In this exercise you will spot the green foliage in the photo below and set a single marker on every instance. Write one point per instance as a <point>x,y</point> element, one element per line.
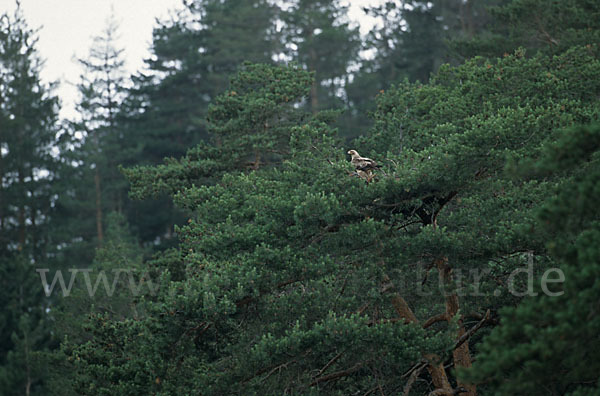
<point>410,42</point>
<point>28,114</point>
<point>164,114</point>
<point>289,271</point>
<point>110,288</point>
<point>292,275</point>
<point>251,122</point>
<point>24,326</point>
<point>270,284</point>
<point>193,58</point>
<point>28,168</point>
<point>318,35</point>
<point>559,333</point>
<point>500,98</point>
<point>250,127</point>
<point>549,26</point>
<point>91,185</point>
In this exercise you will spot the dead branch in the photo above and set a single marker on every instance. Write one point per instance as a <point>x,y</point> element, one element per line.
<point>338,374</point>
<point>427,269</point>
<point>472,330</point>
<point>277,368</point>
<point>416,366</point>
<point>413,377</point>
<point>442,202</point>
<point>333,360</point>
<point>549,39</point>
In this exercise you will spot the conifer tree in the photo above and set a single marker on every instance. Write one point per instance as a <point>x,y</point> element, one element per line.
<point>110,288</point>
<point>551,27</point>
<point>318,35</point>
<point>28,167</point>
<point>411,42</point>
<point>102,90</point>
<point>291,274</point>
<point>193,58</point>
<point>28,134</point>
<point>557,331</point>
<point>294,276</point>
<point>165,112</point>
<point>250,128</point>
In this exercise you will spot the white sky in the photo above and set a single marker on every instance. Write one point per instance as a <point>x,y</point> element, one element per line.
<point>67,28</point>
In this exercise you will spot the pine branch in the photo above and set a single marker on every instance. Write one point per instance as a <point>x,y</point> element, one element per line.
<point>434,319</point>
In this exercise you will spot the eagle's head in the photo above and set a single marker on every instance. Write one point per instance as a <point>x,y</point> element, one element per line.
<point>353,153</point>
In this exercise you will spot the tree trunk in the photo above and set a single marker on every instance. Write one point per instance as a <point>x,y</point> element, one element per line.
<point>1,194</point>
<point>314,100</point>
<point>466,19</point>
<point>470,25</point>
<point>22,212</point>
<point>98,207</point>
<point>26,345</point>
<point>461,355</point>
<point>28,367</point>
<point>438,374</point>
<point>256,163</point>
<point>434,364</point>
<point>33,229</point>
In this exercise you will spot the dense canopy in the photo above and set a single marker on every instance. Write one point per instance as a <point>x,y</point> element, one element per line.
<point>214,237</point>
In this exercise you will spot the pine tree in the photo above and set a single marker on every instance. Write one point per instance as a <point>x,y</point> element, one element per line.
<point>250,127</point>
<point>303,277</point>
<point>193,58</point>
<point>292,275</point>
<point>557,331</point>
<point>410,43</point>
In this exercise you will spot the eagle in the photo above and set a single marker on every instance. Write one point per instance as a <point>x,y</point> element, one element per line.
<point>363,165</point>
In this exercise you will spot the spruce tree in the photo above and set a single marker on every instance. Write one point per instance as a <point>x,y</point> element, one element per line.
<point>192,60</point>
<point>28,167</point>
<point>318,35</point>
<point>110,287</point>
<point>102,146</point>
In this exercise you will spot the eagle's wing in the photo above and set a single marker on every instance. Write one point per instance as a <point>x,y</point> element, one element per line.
<point>365,164</point>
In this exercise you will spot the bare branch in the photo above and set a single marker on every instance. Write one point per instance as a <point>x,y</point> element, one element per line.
<point>413,377</point>
<point>278,368</point>
<point>338,374</point>
<point>472,330</point>
<point>333,360</point>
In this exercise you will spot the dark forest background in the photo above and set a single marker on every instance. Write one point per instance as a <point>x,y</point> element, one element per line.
<point>241,253</point>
